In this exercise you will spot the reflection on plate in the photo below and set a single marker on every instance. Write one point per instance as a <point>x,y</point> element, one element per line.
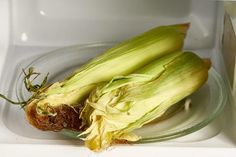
<point>207,102</point>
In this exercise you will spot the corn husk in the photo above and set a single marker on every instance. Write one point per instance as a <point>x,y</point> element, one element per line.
<point>126,103</point>
<point>119,60</point>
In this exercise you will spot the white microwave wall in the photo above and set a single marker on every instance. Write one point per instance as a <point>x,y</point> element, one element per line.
<point>63,22</point>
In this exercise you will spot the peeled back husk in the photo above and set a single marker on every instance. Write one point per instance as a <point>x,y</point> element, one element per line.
<point>127,103</point>
<point>119,60</point>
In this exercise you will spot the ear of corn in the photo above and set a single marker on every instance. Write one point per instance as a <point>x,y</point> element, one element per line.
<point>127,103</point>
<point>119,60</point>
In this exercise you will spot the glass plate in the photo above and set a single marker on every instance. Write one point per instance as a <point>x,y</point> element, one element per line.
<point>207,102</point>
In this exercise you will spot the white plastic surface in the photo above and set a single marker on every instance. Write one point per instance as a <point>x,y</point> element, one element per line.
<point>73,151</point>
<point>39,26</point>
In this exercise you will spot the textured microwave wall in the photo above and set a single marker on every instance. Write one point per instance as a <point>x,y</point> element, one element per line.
<point>230,41</point>
<point>229,49</point>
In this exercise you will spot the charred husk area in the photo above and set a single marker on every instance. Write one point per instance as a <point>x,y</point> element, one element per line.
<point>65,118</point>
